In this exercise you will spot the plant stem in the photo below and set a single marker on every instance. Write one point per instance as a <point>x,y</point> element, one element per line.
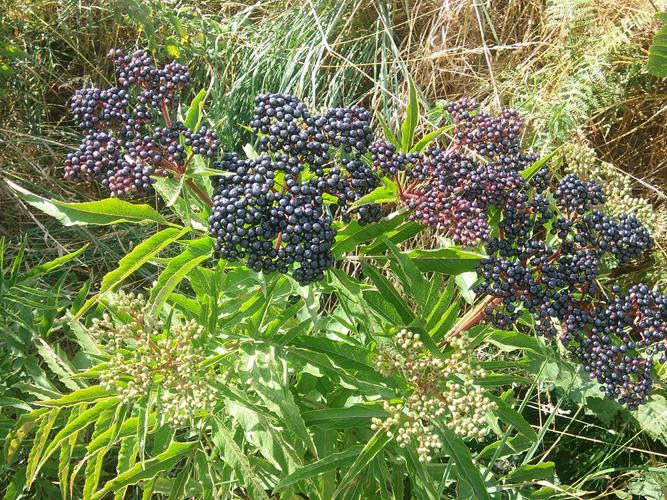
<point>199,192</point>
<point>474,316</point>
<point>165,113</point>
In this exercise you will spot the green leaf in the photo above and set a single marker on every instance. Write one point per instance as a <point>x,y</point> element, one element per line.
<point>411,277</point>
<point>15,489</point>
<point>465,467</point>
<point>54,264</point>
<point>510,416</point>
<point>445,323</point>
<point>652,417</point>
<point>449,261</point>
<point>530,473</point>
<point>193,116</point>
<point>657,53</point>
<point>464,282</point>
<point>66,452</point>
<point>510,341</point>
<point>389,293</point>
<point>411,118</point>
<point>39,443</point>
<point>529,172</point>
<point>224,442</point>
<point>163,462</point>
<point>21,430</point>
<point>381,194</point>
<point>102,212</point>
<point>141,254</point>
<point>83,420</point>
<point>508,447</point>
<point>349,238</point>
<point>85,395</point>
<point>127,455</point>
<point>425,141</point>
<point>265,372</point>
<point>344,418</point>
<point>374,446</point>
<point>388,134</point>
<point>127,430</point>
<point>177,269</point>
<point>326,464</point>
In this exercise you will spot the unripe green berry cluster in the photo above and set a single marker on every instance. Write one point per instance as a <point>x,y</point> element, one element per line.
<point>442,392</point>
<point>145,356</point>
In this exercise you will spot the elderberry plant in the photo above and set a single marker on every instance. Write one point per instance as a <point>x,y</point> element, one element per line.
<point>302,380</point>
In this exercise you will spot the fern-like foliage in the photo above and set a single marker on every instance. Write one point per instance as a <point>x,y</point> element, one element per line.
<point>589,65</point>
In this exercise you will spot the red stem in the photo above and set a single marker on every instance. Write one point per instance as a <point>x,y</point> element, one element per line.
<point>475,315</point>
<point>165,113</point>
<point>279,240</point>
<point>199,192</point>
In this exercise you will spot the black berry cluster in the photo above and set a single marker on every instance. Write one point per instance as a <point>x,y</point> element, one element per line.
<point>254,219</point>
<point>126,146</point>
<point>276,212</point>
<point>349,128</point>
<point>617,344</point>
<point>459,191</point>
<point>547,260</point>
<point>387,160</point>
<point>453,190</point>
<point>486,134</point>
<point>94,108</point>
<point>159,85</point>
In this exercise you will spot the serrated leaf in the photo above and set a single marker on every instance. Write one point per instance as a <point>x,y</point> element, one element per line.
<point>177,269</point>
<point>85,395</point>
<point>389,294</point>
<point>80,422</point>
<point>21,430</point>
<point>344,418</point>
<point>66,452</point>
<point>54,264</point>
<point>163,462</point>
<point>411,277</point>
<point>349,238</point>
<point>224,442</point>
<point>449,261</point>
<point>326,464</point>
<point>510,416</point>
<point>127,455</point>
<point>465,467</point>
<point>374,446</point>
<point>266,374</point>
<point>39,443</point>
<point>102,212</point>
<point>141,254</point>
